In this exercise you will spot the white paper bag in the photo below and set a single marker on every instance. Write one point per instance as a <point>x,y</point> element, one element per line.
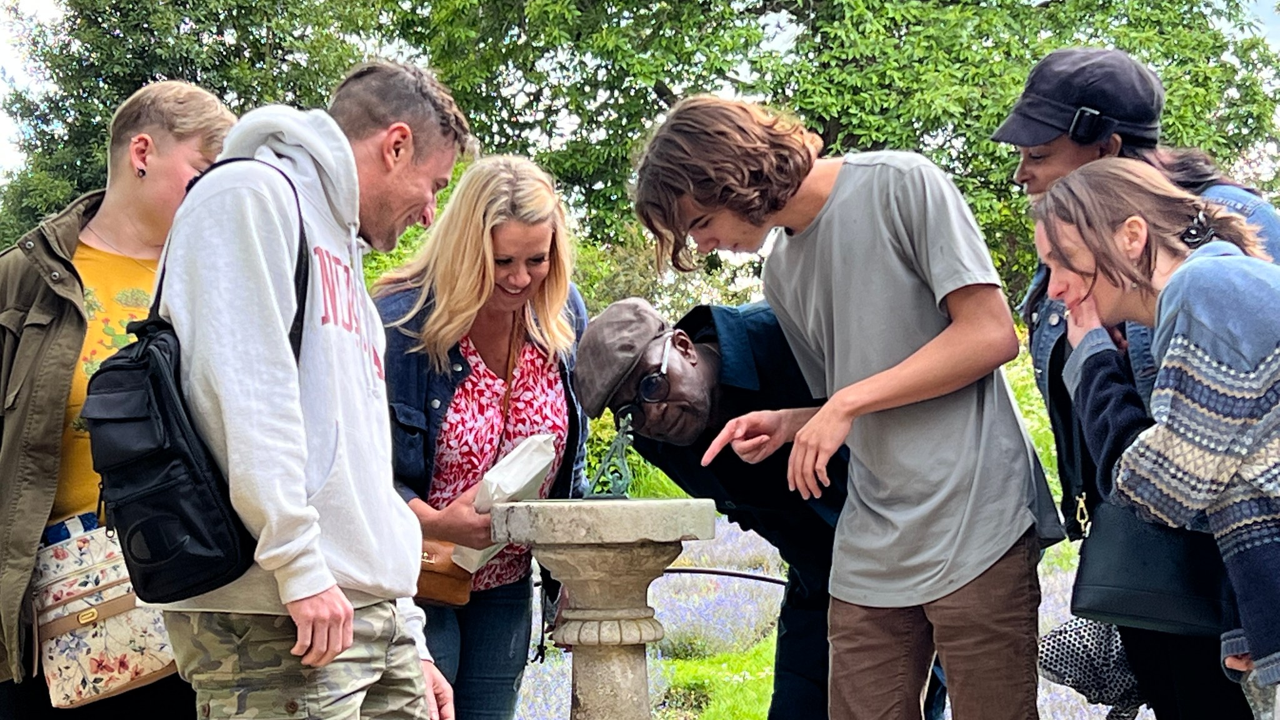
<point>516,477</point>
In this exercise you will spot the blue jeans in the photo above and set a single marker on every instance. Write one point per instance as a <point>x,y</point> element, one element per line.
<point>482,649</point>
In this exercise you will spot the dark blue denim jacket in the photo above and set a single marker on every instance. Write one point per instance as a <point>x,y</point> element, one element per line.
<point>420,397</point>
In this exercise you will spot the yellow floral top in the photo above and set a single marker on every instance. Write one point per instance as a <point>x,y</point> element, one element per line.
<point>117,291</point>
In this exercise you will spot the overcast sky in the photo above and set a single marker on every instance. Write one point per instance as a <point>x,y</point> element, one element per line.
<point>11,63</point>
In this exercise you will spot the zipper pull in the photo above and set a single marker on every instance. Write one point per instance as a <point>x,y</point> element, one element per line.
<point>1082,514</point>
<point>102,512</point>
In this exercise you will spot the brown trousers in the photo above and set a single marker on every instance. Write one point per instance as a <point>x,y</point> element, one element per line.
<point>985,634</point>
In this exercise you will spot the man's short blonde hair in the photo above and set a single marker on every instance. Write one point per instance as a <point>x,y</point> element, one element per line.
<point>376,94</point>
<point>180,109</point>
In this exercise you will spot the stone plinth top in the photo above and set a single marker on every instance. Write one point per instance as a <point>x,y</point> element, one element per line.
<point>603,522</point>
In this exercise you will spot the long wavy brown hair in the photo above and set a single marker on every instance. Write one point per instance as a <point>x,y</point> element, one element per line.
<point>1097,198</point>
<point>721,154</point>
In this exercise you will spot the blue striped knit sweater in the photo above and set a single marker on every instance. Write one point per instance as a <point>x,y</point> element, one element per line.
<point>1214,451</point>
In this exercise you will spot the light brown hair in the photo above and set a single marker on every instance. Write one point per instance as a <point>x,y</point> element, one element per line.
<point>1099,197</point>
<point>375,95</point>
<point>177,108</point>
<point>721,154</point>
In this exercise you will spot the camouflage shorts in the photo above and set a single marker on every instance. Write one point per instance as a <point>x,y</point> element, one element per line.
<point>240,667</point>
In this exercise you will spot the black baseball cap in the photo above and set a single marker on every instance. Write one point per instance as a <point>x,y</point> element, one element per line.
<point>1087,94</point>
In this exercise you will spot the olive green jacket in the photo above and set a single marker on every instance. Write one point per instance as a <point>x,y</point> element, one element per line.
<point>42,330</point>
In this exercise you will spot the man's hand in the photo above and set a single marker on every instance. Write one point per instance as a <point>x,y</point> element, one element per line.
<point>755,436</point>
<point>439,694</point>
<point>325,626</point>
<point>816,442</point>
<point>459,523</point>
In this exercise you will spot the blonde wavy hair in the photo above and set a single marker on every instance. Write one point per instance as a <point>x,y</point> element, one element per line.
<point>454,272</point>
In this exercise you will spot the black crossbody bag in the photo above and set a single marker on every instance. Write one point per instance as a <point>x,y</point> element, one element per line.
<point>163,494</point>
<point>1138,574</point>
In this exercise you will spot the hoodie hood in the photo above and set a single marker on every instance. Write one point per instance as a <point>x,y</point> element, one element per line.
<point>311,148</point>
<point>314,148</point>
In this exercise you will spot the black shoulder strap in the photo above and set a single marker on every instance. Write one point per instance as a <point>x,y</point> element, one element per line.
<point>301,270</point>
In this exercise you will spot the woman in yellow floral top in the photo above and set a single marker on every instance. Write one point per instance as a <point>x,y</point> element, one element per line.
<point>68,289</point>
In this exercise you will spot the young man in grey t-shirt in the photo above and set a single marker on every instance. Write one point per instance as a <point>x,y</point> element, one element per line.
<point>887,295</point>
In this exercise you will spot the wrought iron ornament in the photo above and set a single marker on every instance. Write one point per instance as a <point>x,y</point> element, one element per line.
<point>613,477</point>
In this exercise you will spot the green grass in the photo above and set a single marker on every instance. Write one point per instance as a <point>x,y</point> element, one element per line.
<point>1022,379</point>
<point>734,686</point>
<point>1064,555</point>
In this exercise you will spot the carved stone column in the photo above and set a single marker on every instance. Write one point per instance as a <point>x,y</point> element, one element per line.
<point>606,552</point>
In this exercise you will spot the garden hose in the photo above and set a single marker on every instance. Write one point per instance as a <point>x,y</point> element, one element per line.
<point>726,573</point>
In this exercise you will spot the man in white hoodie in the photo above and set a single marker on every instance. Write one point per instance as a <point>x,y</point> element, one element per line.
<point>314,628</point>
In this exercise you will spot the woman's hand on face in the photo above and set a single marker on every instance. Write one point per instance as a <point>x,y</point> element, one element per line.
<point>459,523</point>
<point>1081,319</point>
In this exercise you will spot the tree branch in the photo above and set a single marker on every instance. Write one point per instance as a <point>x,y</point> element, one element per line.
<point>665,93</point>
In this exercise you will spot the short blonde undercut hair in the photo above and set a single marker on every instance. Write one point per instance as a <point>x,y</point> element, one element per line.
<point>179,109</point>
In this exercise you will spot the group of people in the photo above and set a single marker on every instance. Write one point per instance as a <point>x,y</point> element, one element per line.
<point>858,419</point>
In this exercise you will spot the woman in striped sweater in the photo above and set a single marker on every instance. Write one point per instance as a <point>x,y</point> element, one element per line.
<point>1122,243</point>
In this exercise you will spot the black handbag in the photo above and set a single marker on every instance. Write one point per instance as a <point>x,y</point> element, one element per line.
<point>164,496</point>
<point>1138,574</point>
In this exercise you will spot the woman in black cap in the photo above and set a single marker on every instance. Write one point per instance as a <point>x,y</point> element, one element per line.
<point>1080,105</point>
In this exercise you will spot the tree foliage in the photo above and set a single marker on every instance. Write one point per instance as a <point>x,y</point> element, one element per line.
<point>100,51</point>
<point>579,82</point>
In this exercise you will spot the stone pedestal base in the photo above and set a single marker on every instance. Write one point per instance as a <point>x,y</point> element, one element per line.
<point>606,552</point>
<point>610,682</point>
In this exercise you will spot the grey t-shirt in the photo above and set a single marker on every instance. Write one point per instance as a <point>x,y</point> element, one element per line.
<point>938,490</point>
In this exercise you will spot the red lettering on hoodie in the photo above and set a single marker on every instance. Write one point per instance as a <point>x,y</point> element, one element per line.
<point>326,286</point>
<point>340,298</point>
<point>348,317</point>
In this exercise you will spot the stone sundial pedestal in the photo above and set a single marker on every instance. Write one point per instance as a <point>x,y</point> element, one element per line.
<point>606,552</point>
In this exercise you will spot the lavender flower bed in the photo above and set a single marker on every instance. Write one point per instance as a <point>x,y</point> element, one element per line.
<point>708,614</point>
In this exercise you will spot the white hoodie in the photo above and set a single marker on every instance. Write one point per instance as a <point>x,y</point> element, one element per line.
<point>306,448</point>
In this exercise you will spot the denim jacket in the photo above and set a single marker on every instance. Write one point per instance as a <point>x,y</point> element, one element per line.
<point>1047,321</point>
<point>420,397</point>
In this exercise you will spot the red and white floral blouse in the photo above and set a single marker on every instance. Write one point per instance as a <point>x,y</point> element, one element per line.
<point>474,436</point>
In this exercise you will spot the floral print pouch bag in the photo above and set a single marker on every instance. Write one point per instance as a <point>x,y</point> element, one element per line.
<point>94,640</point>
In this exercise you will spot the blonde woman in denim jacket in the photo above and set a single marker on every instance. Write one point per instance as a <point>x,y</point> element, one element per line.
<point>482,332</point>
